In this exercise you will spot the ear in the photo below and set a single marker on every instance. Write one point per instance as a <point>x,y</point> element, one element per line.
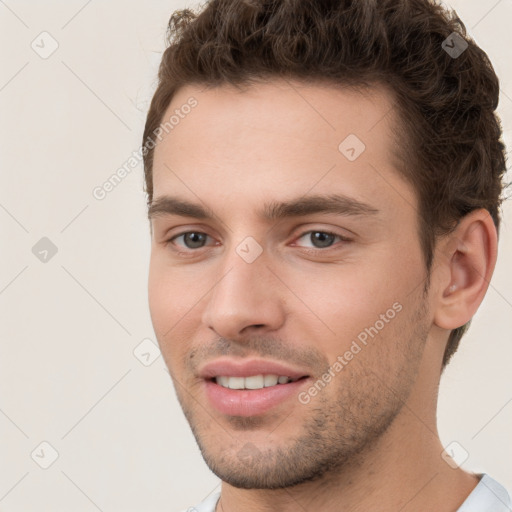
<point>470,257</point>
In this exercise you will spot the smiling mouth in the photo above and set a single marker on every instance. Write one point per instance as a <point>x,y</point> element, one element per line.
<point>253,381</point>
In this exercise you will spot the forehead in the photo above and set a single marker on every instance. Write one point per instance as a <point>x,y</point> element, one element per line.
<point>280,138</point>
<point>321,113</point>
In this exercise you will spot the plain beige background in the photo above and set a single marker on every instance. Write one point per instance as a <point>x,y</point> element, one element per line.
<point>73,372</point>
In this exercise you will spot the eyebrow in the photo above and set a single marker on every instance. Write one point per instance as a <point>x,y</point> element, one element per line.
<point>274,210</point>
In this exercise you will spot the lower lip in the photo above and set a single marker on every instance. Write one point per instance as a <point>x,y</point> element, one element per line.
<point>250,402</point>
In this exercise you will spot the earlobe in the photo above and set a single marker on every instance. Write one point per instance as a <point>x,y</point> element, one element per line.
<point>468,269</point>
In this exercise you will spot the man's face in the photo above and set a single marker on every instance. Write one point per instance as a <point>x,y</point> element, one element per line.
<point>304,290</point>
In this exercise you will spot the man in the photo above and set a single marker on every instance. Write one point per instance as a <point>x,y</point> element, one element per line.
<point>324,181</point>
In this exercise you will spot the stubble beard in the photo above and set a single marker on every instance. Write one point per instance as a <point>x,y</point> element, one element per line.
<point>340,428</point>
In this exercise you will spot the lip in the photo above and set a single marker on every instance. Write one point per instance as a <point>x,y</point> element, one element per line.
<point>232,368</point>
<point>249,402</point>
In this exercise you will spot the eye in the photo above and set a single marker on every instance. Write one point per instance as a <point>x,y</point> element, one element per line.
<point>318,239</point>
<point>191,239</point>
<point>321,239</point>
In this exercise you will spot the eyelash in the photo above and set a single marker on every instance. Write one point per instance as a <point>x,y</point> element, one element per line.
<point>305,249</point>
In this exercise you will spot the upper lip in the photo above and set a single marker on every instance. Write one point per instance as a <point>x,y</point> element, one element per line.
<point>231,368</point>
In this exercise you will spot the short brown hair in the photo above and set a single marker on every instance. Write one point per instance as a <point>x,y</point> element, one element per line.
<point>450,135</point>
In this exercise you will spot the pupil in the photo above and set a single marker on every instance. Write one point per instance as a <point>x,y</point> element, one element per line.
<point>324,239</point>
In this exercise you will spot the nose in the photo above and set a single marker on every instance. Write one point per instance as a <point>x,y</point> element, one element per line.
<point>246,297</point>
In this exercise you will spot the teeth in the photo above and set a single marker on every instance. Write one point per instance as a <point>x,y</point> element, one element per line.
<point>236,382</point>
<point>223,381</point>
<point>252,382</point>
<point>270,380</point>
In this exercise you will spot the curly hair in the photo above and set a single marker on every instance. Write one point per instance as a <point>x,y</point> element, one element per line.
<point>449,135</point>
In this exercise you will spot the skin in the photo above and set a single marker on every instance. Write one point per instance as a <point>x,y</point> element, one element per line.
<point>368,440</point>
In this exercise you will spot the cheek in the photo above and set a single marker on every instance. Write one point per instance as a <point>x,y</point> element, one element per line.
<point>347,295</point>
<point>158,296</point>
<point>168,303</point>
<point>174,297</point>
<point>343,303</point>
<point>169,293</point>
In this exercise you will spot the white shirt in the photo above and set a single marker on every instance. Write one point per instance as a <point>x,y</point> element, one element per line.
<point>487,496</point>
